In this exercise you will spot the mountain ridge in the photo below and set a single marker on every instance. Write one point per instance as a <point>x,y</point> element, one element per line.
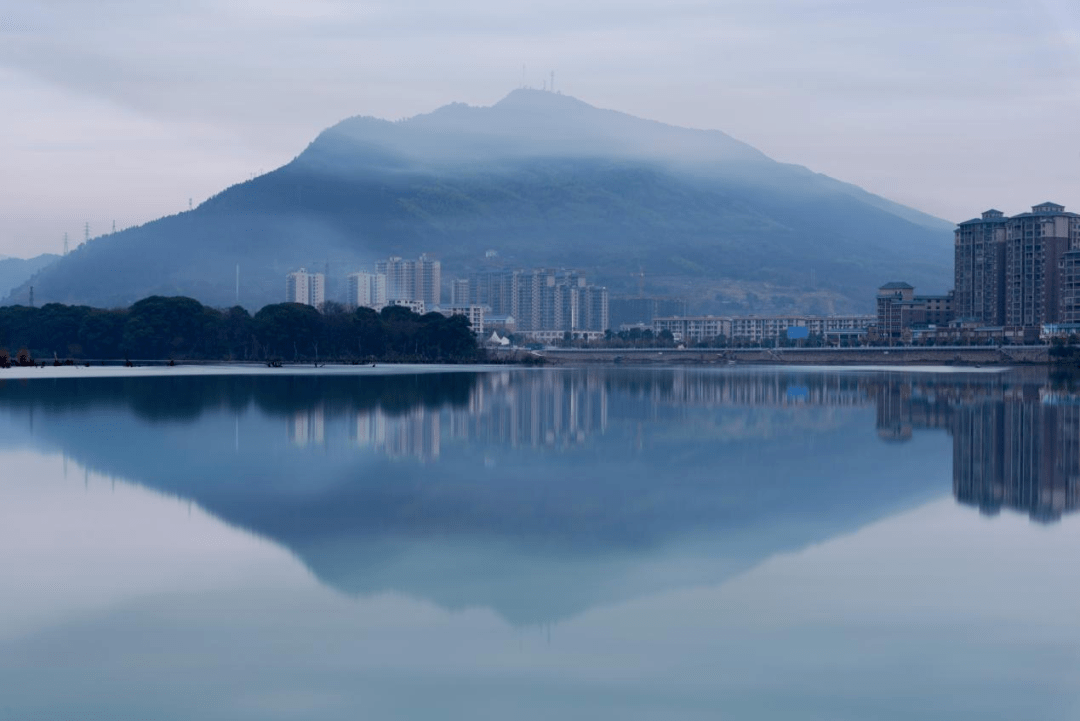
<point>542,179</point>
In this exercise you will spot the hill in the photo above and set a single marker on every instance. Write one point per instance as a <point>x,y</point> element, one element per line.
<point>542,179</point>
<point>15,272</point>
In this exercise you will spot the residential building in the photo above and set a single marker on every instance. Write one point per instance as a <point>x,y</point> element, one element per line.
<point>306,288</point>
<point>419,279</point>
<point>979,270</point>
<point>416,306</point>
<point>686,329</point>
<point>1069,288</point>
<point>367,290</point>
<point>1035,245</point>
<point>541,299</point>
<point>899,310</point>
<point>475,314</point>
<point>758,329</point>
<point>459,292</point>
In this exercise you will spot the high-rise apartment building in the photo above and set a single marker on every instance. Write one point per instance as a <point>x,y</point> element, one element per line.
<point>979,269</point>
<point>406,279</point>
<point>541,299</point>
<point>306,288</point>
<point>367,290</point>
<point>459,292</point>
<point>1035,244</point>
<point>1021,271</point>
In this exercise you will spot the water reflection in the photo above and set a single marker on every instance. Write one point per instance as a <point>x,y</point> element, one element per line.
<point>539,544</point>
<point>1016,440</point>
<point>544,493</point>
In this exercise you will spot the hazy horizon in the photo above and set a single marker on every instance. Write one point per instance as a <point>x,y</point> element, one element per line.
<point>126,111</point>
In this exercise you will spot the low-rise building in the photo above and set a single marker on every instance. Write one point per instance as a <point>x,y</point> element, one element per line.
<point>475,314</point>
<point>758,329</point>
<point>899,310</point>
<point>686,329</point>
<point>416,306</point>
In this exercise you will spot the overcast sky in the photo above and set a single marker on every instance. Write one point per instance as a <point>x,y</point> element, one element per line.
<point>123,110</point>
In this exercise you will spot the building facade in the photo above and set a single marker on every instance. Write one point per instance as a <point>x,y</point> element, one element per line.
<point>475,314</point>
<point>899,310</point>
<point>1035,246</point>
<point>367,290</point>
<point>306,288</point>
<point>757,329</point>
<point>979,269</point>
<point>541,299</point>
<point>407,279</point>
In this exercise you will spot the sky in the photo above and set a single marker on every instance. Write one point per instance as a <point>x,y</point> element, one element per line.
<point>123,111</point>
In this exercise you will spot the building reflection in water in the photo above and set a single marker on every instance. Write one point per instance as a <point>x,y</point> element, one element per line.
<point>1016,445</point>
<point>1016,442</point>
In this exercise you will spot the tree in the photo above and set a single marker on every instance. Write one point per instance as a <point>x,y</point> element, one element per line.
<point>288,330</point>
<point>369,333</point>
<point>101,333</point>
<point>160,327</point>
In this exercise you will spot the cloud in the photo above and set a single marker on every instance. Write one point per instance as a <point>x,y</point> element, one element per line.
<point>830,83</point>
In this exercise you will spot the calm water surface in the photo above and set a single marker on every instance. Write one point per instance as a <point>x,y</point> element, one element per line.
<point>576,544</point>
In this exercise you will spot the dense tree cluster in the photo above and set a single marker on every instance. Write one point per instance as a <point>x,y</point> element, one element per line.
<point>159,328</point>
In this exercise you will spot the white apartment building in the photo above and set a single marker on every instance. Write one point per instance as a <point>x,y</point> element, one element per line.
<point>367,290</point>
<point>306,288</point>
<point>693,328</point>
<point>416,306</point>
<point>475,314</point>
<point>408,279</point>
<point>756,329</point>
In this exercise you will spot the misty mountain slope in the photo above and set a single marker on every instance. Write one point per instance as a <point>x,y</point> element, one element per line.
<point>541,178</point>
<point>17,271</point>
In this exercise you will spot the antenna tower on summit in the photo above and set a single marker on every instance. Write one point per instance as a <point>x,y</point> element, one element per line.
<point>65,244</point>
<point>86,232</point>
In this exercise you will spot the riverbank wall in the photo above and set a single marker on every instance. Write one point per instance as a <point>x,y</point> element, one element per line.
<point>942,355</point>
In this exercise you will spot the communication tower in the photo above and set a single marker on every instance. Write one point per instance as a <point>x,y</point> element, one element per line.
<point>65,243</point>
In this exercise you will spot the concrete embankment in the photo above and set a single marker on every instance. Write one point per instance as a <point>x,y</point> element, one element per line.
<point>944,355</point>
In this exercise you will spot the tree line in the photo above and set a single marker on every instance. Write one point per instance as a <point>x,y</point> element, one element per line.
<point>179,328</point>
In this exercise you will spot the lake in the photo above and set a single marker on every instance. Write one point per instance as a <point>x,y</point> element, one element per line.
<point>594,543</point>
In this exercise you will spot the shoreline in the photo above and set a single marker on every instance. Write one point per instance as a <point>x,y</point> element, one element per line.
<point>894,356</point>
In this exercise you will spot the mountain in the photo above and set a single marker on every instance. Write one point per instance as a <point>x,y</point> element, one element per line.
<point>15,272</point>
<point>543,179</point>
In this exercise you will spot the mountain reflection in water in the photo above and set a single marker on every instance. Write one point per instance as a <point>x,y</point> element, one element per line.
<point>544,493</point>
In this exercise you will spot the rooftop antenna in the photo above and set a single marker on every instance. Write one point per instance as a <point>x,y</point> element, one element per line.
<point>65,243</point>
